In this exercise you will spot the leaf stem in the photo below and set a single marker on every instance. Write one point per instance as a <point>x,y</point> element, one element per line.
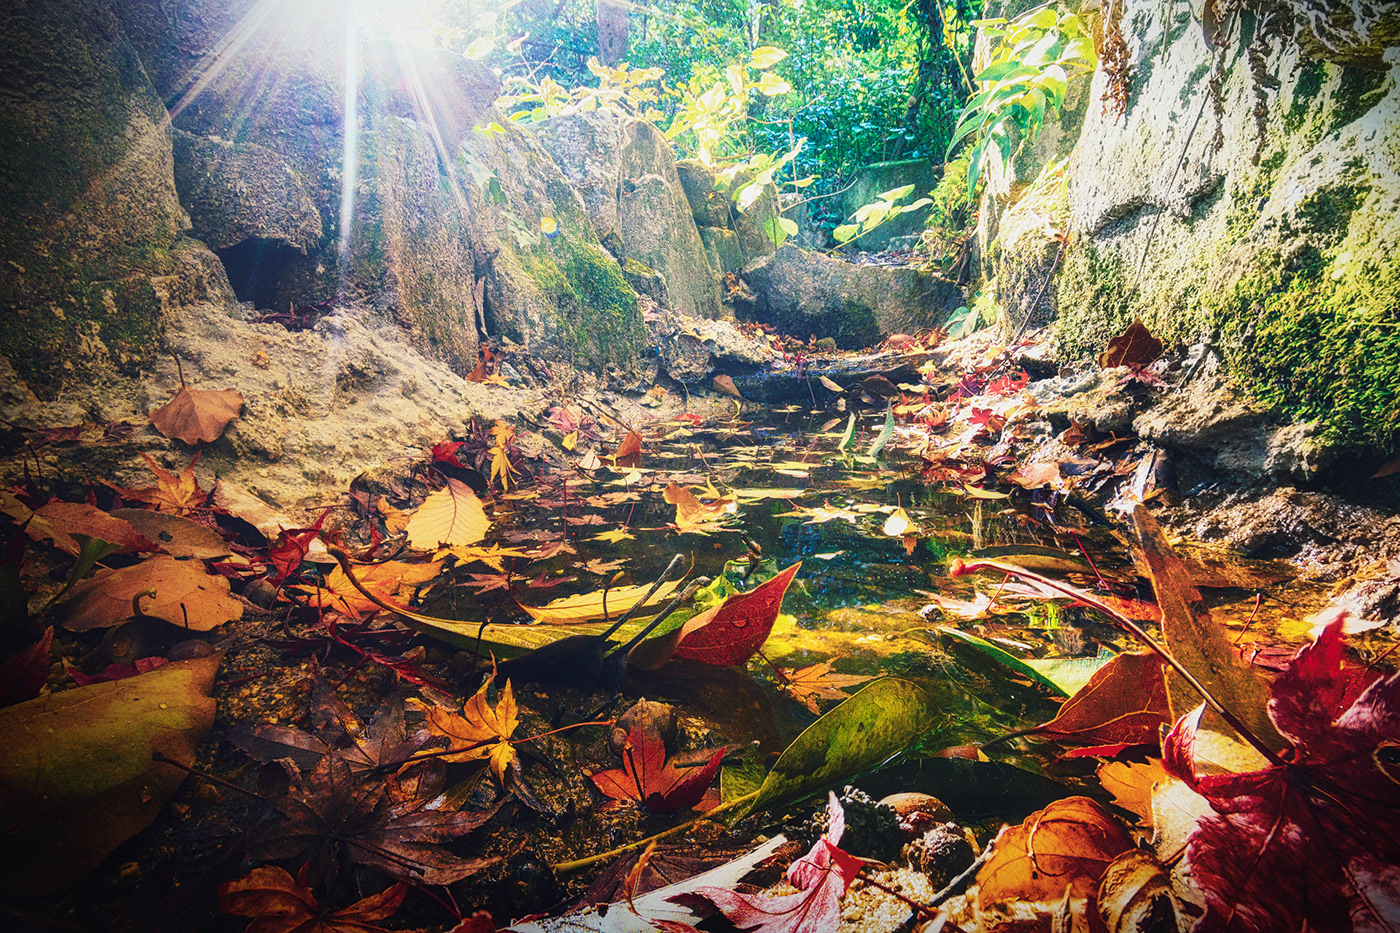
<point>565,867</point>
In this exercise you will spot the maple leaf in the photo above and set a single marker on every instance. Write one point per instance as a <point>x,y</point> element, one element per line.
<point>1009,384</point>
<point>290,549</point>
<point>501,468</point>
<point>329,816</point>
<point>486,582</point>
<point>616,536</point>
<point>1311,842</point>
<point>1135,348</point>
<point>691,513</point>
<point>388,580</point>
<point>563,419</point>
<point>822,877</point>
<point>629,452</point>
<point>196,415</point>
<point>493,556</point>
<point>816,682</point>
<point>280,903</point>
<point>649,780</point>
<point>1124,702</point>
<point>480,730</point>
<point>446,452</point>
<point>452,516</point>
<point>180,495</point>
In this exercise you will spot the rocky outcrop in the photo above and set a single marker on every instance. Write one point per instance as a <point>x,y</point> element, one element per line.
<point>1248,192</point>
<point>626,173</point>
<point>876,179</point>
<point>808,294</point>
<point>732,238</point>
<point>91,215</point>
<point>694,349</point>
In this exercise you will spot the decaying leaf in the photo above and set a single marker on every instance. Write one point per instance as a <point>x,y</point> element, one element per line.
<point>1135,348</point>
<point>279,903</point>
<point>647,779</point>
<point>1067,845</point>
<point>452,516</point>
<point>629,452</point>
<point>176,535</point>
<point>59,521</point>
<point>178,494</point>
<point>196,415</point>
<point>817,682</point>
<point>726,385</point>
<point>185,595</point>
<point>1124,702</point>
<point>480,731</point>
<point>1136,895</point>
<point>77,777</point>
<point>390,580</point>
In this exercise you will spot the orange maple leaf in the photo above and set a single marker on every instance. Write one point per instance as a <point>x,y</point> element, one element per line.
<point>278,902</point>
<point>392,580</point>
<point>480,730</point>
<point>180,495</point>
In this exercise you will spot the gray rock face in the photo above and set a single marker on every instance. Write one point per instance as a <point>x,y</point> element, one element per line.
<point>807,294</point>
<point>91,213</point>
<point>693,349</point>
<point>236,192</point>
<point>626,173</point>
<point>885,176</point>
<point>732,238</point>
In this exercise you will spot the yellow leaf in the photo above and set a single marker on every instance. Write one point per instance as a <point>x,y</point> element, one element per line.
<point>897,523</point>
<point>588,606</point>
<point>395,520</point>
<point>616,536</point>
<point>390,580</point>
<point>185,595</point>
<point>570,440</point>
<point>501,467</point>
<point>493,557</point>
<point>452,516</point>
<point>495,379</point>
<point>479,731</point>
<point>503,433</point>
<point>691,513</point>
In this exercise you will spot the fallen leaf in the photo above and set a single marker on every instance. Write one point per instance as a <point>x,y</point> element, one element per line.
<point>628,453</point>
<point>1133,785</point>
<point>1136,894</point>
<point>59,521</point>
<point>1312,840</point>
<point>726,385</point>
<point>1196,641</point>
<point>615,536</point>
<point>822,877</point>
<point>24,675</point>
<point>452,516</point>
<point>1067,845</point>
<point>1135,348</point>
<point>480,730</point>
<point>691,513</point>
<point>390,580</point>
<point>733,631</point>
<point>77,778</point>
<point>279,903</point>
<point>177,536</point>
<point>649,780</point>
<point>180,495</point>
<point>586,607</point>
<point>185,596</point>
<point>817,682</point>
<point>897,524</point>
<point>1125,701</point>
<point>196,415</point>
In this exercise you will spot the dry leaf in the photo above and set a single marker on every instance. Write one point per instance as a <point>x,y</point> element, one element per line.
<point>1135,348</point>
<point>280,903</point>
<point>180,495</point>
<point>726,385</point>
<point>629,452</point>
<point>452,516</point>
<point>185,595</point>
<point>196,415</point>
<point>1133,785</point>
<point>691,513</point>
<point>816,682</point>
<point>59,521</point>
<point>1065,846</point>
<point>587,607</point>
<point>480,730</point>
<point>391,580</point>
<point>178,536</point>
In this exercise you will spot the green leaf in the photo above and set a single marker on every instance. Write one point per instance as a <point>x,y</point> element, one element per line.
<point>766,56</point>
<point>1054,80</point>
<point>885,434</point>
<point>778,229</point>
<point>845,232</point>
<point>848,438</point>
<point>480,48</point>
<point>894,194</point>
<point>974,168</point>
<point>1043,18</point>
<point>996,71</point>
<point>875,724</point>
<point>770,85</point>
<point>1003,657</point>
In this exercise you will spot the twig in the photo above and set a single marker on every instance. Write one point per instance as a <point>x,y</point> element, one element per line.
<point>565,867</point>
<point>958,884</point>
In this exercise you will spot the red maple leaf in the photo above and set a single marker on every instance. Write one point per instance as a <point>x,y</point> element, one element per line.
<point>446,452</point>
<point>821,877</point>
<point>1008,384</point>
<point>739,627</point>
<point>1313,841</point>
<point>290,548</point>
<point>649,780</point>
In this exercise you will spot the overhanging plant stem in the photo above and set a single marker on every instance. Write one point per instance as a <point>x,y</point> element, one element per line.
<point>961,568</point>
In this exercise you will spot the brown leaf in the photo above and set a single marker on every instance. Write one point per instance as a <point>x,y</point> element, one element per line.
<point>726,385</point>
<point>691,513</point>
<point>196,415</point>
<point>185,595</point>
<point>391,580</point>
<point>279,903</point>
<point>77,777</point>
<point>176,535</point>
<point>1065,846</point>
<point>1136,894</point>
<point>1125,701</point>
<point>816,682</point>
<point>1194,639</point>
<point>59,521</point>
<point>180,495</point>
<point>629,452</point>
<point>480,731</point>
<point>1135,348</point>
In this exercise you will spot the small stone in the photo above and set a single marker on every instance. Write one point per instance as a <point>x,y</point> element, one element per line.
<point>943,853</point>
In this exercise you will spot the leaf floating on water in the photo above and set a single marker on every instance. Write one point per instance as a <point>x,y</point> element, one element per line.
<point>197,415</point>
<point>817,682</point>
<point>278,902</point>
<point>586,607</point>
<point>480,730</point>
<point>732,632</point>
<point>691,513</point>
<point>647,779</point>
<point>77,778</point>
<point>451,517</point>
<point>897,524</point>
<point>629,452</point>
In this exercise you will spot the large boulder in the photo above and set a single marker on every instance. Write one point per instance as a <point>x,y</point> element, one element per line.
<point>626,173</point>
<point>732,238</point>
<point>1251,193</point>
<point>808,294</point>
<point>91,220</point>
<point>876,179</point>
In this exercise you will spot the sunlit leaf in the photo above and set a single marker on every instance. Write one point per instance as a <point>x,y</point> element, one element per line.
<point>586,607</point>
<point>197,415</point>
<point>452,516</point>
<point>480,731</point>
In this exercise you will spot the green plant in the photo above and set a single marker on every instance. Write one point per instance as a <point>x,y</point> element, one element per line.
<point>883,208</point>
<point>712,122</point>
<point>1027,77</point>
<point>620,90</point>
